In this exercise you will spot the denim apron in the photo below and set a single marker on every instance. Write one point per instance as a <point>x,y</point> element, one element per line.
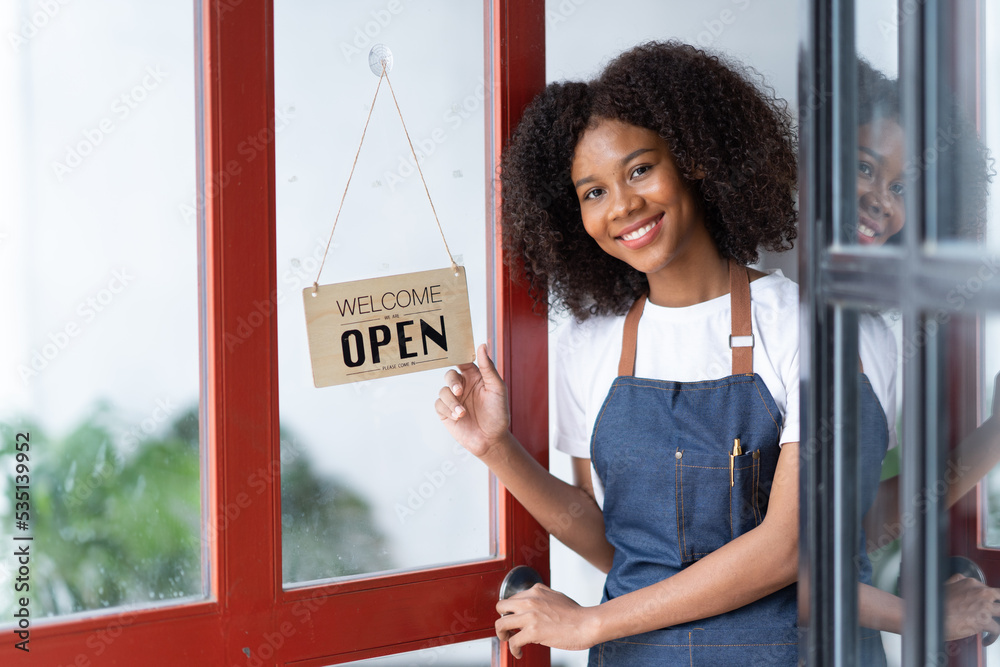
<point>678,486</point>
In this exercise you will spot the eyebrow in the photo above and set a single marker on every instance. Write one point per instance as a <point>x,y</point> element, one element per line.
<point>624,161</point>
<point>878,157</point>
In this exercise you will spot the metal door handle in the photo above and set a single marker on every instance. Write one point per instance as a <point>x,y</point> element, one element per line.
<point>521,578</point>
<point>968,568</point>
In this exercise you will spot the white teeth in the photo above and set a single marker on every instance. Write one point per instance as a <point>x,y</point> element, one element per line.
<point>639,233</point>
<point>866,231</point>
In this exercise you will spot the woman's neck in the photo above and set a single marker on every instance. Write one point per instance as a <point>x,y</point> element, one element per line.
<point>691,280</point>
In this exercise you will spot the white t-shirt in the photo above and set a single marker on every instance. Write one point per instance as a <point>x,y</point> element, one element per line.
<point>691,344</point>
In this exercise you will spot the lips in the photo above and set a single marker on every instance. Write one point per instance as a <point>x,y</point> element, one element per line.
<point>641,233</point>
<point>868,230</point>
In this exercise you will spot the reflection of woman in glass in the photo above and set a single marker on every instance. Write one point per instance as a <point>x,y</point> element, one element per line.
<point>884,170</point>
<point>882,177</point>
<point>648,193</point>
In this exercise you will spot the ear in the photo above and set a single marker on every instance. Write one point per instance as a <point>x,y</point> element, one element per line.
<point>698,174</point>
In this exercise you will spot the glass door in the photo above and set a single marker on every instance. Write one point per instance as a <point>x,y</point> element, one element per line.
<point>260,537</point>
<point>901,236</point>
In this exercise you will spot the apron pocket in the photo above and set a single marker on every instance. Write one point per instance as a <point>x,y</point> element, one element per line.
<point>703,500</point>
<point>714,508</point>
<point>753,473</point>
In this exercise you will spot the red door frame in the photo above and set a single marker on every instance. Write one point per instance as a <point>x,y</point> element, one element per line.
<point>965,382</point>
<point>249,619</point>
<point>964,364</point>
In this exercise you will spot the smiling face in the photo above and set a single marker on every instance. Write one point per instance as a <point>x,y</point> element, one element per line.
<point>634,201</point>
<point>881,184</point>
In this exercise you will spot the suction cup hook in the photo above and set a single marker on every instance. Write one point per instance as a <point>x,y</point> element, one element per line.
<point>380,54</point>
<point>521,578</point>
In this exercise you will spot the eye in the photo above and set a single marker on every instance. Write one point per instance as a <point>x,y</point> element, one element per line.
<point>593,193</point>
<point>865,169</point>
<point>640,170</point>
<point>897,189</point>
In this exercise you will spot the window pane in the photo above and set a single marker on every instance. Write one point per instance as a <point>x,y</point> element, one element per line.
<point>991,408</point>
<point>966,140</point>
<point>880,172</point>
<point>990,117</point>
<point>100,264</point>
<point>877,381</point>
<point>371,481</point>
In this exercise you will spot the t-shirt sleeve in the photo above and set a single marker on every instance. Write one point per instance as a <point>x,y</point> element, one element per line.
<point>879,358</point>
<point>572,436</point>
<point>790,379</point>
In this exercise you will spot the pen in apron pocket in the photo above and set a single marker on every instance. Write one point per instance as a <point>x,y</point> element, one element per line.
<point>737,450</point>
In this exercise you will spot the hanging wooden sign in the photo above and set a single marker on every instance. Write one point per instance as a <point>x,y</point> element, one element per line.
<point>388,326</point>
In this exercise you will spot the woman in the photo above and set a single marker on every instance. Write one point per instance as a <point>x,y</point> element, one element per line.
<point>884,172</point>
<point>884,169</point>
<point>648,193</point>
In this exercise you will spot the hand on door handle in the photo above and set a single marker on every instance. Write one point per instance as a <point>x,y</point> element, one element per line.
<point>970,602</point>
<point>521,578</point>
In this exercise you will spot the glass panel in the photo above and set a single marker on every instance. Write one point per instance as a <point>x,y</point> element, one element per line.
<point>881,161</point>
<point>969,449</point>
<point>881,349</point>
<point>469,654</point>
<point>892,514</point>
<point>100,342</point>
<point>371,481</point>
<point>990,116</point>
<point>966,140</point>
<point>991,408</point>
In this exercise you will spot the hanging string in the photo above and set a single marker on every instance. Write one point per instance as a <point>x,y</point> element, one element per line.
<point>454,267</point>
<point>385,75</point>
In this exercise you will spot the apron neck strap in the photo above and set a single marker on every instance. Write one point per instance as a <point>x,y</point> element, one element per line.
<point>741,339</point>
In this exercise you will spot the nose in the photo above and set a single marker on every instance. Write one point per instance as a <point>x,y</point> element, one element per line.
<point>626,201</point>
<point>877,202</point>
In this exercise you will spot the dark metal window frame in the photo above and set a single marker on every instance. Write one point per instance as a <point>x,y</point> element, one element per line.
<point>836,279</point>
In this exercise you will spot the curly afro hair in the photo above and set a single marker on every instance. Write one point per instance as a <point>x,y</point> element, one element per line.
<point>731,139</point>
<point>958,151</point>
<point>878,95</point>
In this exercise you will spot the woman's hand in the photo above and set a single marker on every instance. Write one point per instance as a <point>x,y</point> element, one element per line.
<point>969,608</point>
<point>473,404</point>
<point>540,615</point>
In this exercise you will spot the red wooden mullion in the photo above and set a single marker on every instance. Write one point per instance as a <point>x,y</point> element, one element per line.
<point>519,75</point>
<point>240,39</point>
